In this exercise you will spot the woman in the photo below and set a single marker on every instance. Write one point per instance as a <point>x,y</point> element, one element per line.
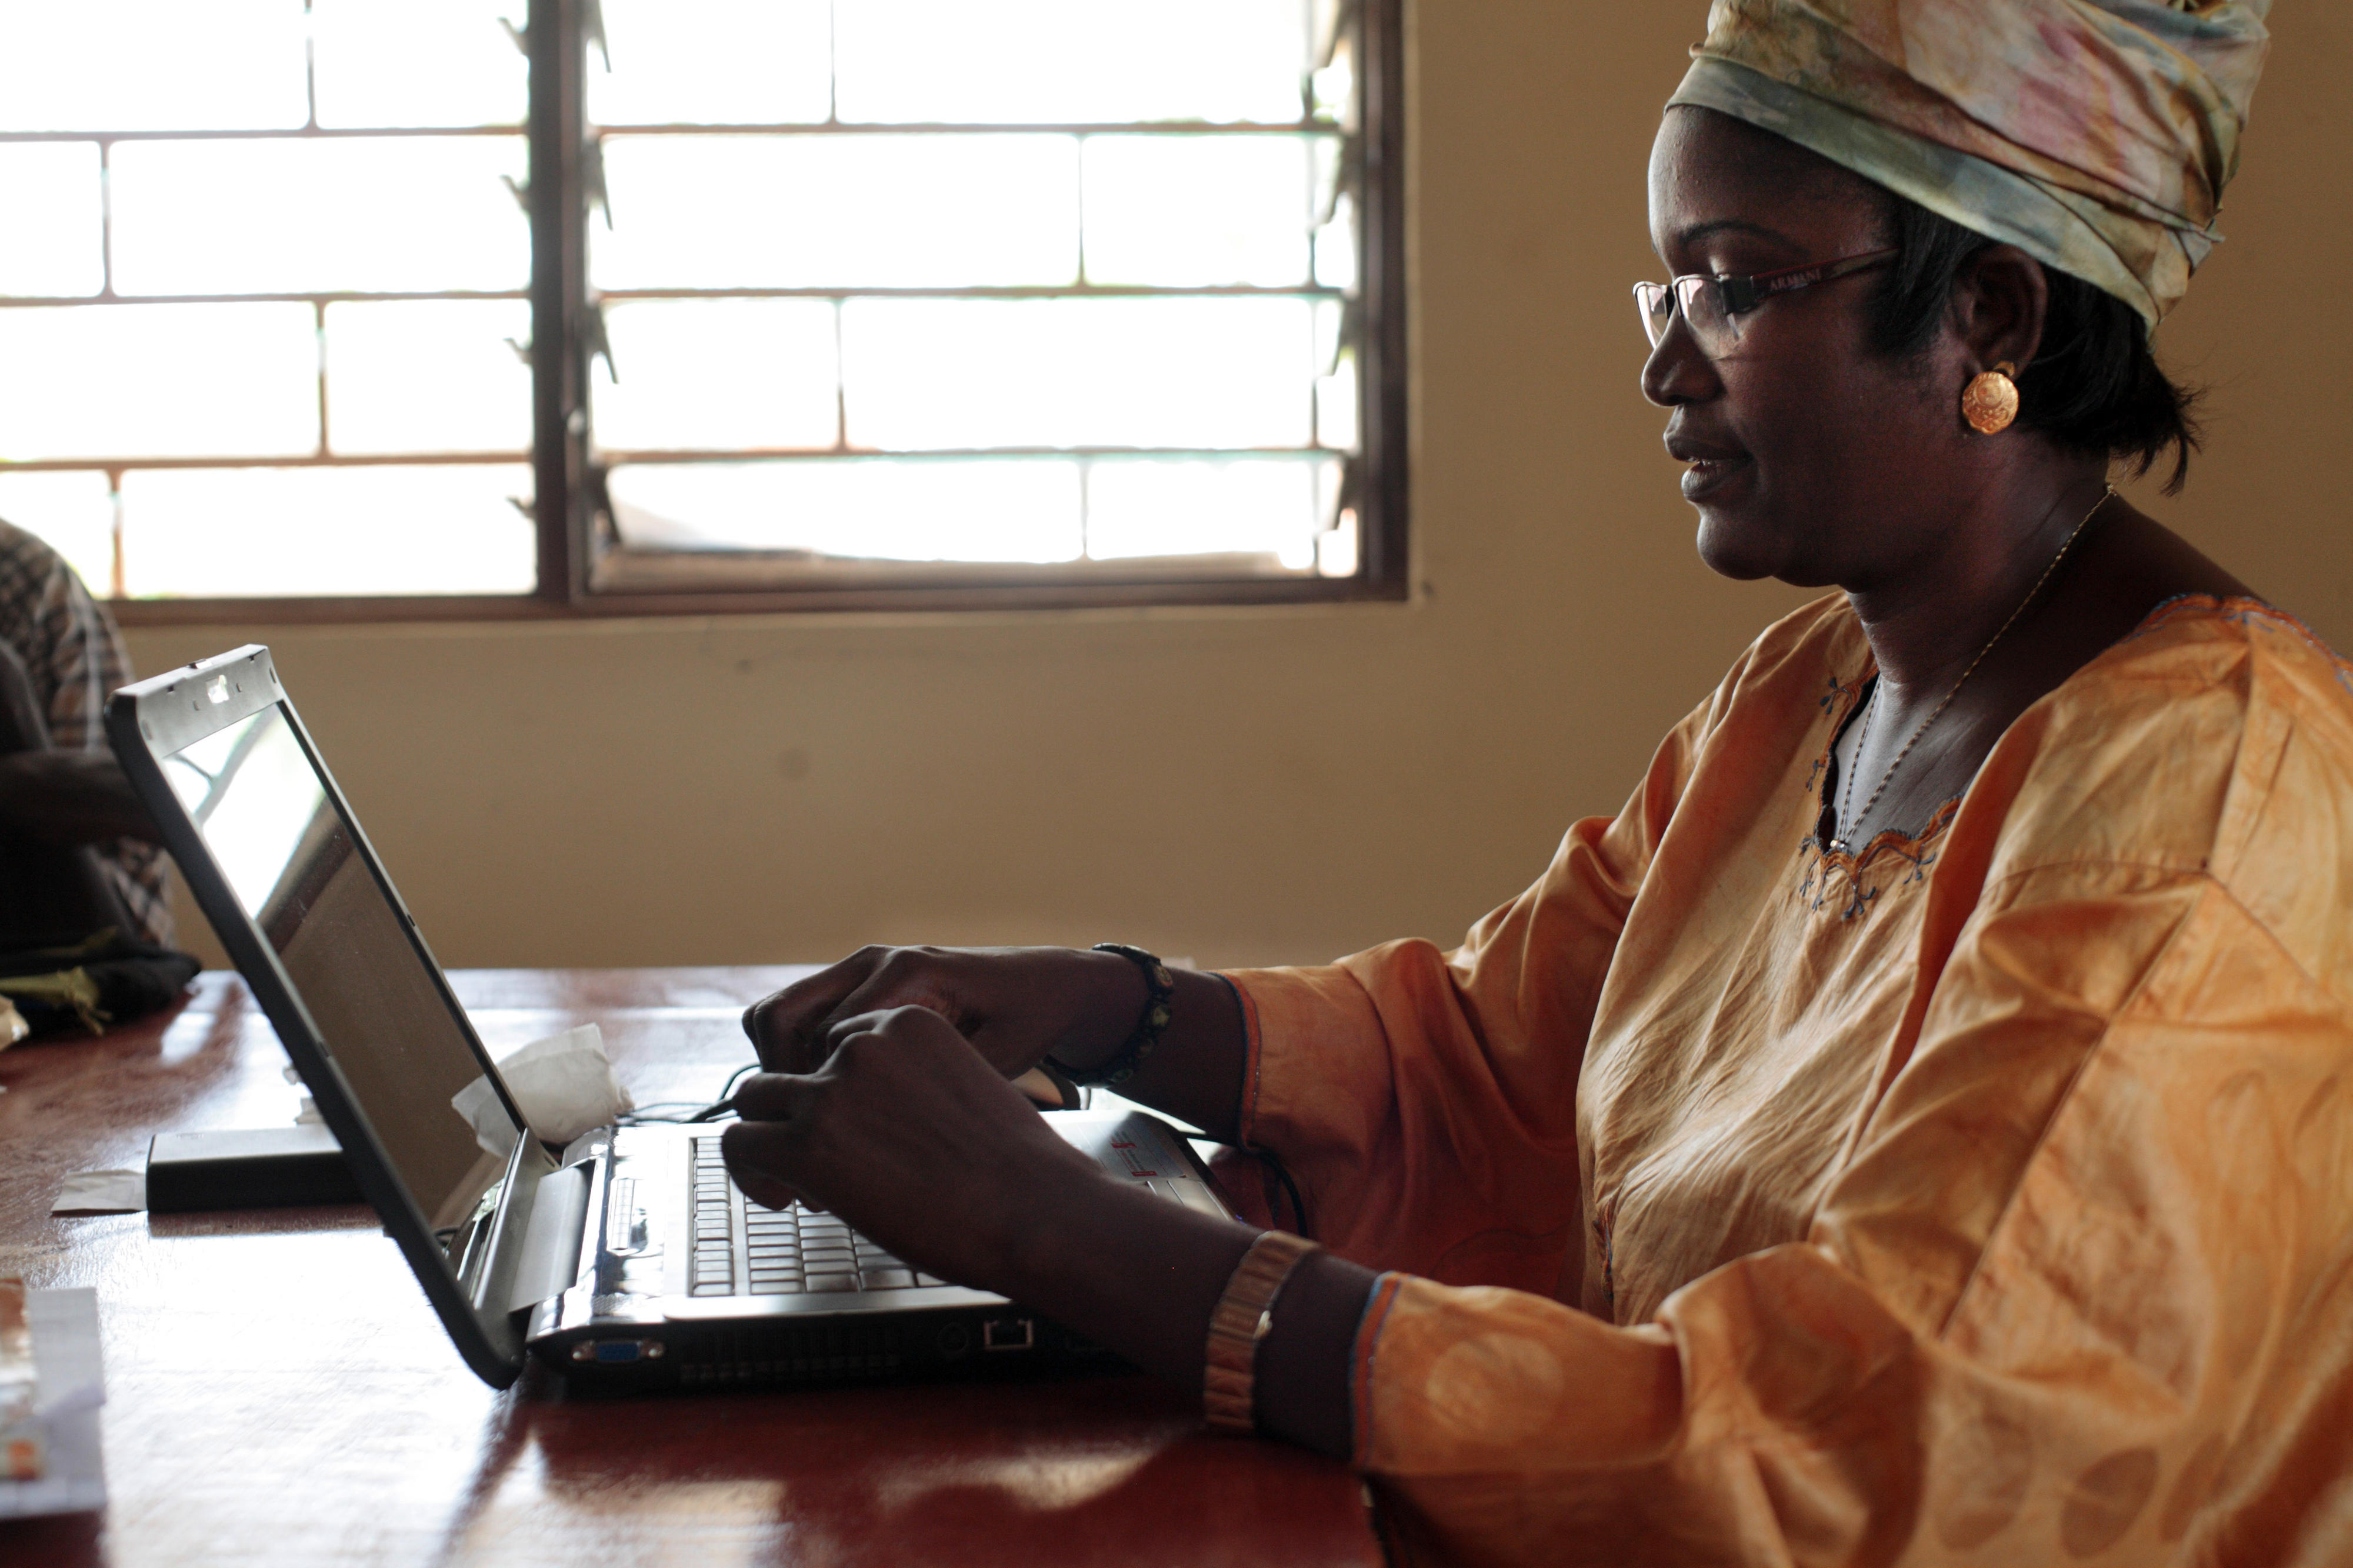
<point>1915,1128</point>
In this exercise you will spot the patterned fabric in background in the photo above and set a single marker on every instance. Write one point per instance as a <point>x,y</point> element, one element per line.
<point>2095,135</point>
<point>75,657</point>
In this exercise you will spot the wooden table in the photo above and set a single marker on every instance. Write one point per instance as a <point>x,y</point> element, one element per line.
<point>279,1391</point>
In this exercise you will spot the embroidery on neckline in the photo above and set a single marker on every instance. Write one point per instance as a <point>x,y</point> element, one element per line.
<point>1819,856</point>
<point>1829,702</point>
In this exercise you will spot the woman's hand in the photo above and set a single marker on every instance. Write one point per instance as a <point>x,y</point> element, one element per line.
<point>1014,1006</point>
<point>907,1133</point>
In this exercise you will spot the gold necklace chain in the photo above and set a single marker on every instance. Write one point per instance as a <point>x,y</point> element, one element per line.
<point>1844,841</point>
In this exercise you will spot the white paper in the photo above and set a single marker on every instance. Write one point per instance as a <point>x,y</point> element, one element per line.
<point>102,1192</point>
<point>563,1084</point>
<point>64,1324</point>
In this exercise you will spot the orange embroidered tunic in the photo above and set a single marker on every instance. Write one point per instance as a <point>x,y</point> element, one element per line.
<point>1986,1198</point>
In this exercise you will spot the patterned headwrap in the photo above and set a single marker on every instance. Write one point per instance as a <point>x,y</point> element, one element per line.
<point>2095,135</point>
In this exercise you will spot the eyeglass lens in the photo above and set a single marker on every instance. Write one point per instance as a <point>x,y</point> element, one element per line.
<point>1702,305</point>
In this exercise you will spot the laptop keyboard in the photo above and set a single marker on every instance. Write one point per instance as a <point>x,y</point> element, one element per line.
<point>741,1248</point>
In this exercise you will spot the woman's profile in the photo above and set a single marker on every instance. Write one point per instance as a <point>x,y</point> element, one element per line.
<point>1917,1126</point>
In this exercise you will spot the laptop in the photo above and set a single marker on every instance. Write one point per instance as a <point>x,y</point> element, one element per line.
<point>626,1260</point>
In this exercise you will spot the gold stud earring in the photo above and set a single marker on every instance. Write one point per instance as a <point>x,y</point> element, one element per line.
<point>1990,401</point>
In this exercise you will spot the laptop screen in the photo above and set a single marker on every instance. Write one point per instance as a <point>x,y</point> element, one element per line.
<point>295,866</point>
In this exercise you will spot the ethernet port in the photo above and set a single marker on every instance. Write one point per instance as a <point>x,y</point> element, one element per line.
<point>1008,1334</point>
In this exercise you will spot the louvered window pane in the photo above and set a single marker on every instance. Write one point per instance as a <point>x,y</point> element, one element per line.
<point>1025,509</point>
<point>178,380</point>
<point>1067,61</point>
<point>408,214</point>
<point>152,65</point>
<point>428,375</point>
<point>815,211</point>
<point>52,219</point>
<point>714,62</point>
<point>1246,506</point>
<point>1198,211</point>
<point>704,375</point>
<point>239,533</point>
<point>946,374</point>
<point>381,64</point>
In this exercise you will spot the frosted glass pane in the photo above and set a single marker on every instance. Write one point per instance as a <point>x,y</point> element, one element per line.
<point>1196,210</point>
<point>1333,89</point>
<point>1330,329</point>
<point>52,233</point>
<point>1337,552</point>
<point>73,514</point>
<point>1069,61</point>
<point>1208,372</point>
<point>152,65</point>
<point>410,213</point>
<point>707,374</point>
<point>429,376</point>
<point>179,381</point>
<point>1328,157</point>
<point>1336,246</point>
<point>238,532</point>
<point>775,66</point>
<point>859,509</point>
<point>1137,506</point>
<point>418,62</point>
<point>1336,406</point>
<point>717,212</point>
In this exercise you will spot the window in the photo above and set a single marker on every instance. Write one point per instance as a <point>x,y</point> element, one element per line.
<point>437,307</point>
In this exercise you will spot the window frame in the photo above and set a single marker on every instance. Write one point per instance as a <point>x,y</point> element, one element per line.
<point>565,326</point>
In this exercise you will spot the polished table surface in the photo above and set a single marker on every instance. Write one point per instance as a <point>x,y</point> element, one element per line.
<point>278,1390</point>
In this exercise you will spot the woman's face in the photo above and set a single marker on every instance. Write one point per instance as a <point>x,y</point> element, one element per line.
<point>1813,459</point>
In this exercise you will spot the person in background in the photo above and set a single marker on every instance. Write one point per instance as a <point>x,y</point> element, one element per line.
<point>1918,1127</point>
<point>77,851</point>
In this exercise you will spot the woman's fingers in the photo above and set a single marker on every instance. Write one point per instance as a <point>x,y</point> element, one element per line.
<point>762,1147</point>
<point>794,1030</point>
<point>753,1151</point>
<point>770,1098</point>
<point>908,1134</point>
<point>789,1028</point>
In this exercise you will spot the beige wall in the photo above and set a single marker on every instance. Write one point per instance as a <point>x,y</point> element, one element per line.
<point>1279,784</point>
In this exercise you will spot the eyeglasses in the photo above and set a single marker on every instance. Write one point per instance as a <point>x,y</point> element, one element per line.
<point>1713,306</point>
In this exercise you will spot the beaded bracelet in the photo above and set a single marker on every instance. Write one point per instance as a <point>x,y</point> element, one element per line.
<point>1161,987</point>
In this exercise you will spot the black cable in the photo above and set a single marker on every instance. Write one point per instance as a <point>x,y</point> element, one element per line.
<point>698,1111</point>
<point>1272,1161</point>
<point>725,1104</point>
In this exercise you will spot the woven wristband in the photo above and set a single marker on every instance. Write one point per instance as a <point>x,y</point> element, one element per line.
<point>1161,987</point>
<point>1243,1315</point>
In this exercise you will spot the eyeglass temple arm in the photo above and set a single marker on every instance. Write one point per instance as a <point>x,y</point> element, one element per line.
<point>1745,294</point>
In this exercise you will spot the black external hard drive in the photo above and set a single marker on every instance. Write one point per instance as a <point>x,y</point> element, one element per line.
<point>252,1168</point>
